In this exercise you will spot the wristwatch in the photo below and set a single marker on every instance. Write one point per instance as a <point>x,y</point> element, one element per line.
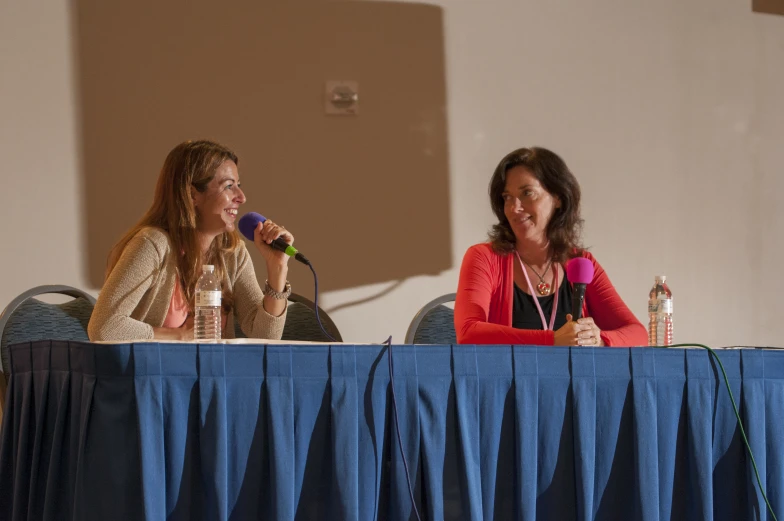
<point>279,295</point>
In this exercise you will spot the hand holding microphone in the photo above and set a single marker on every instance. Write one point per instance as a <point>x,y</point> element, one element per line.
<point>581,331</point>
<point>269,236</point>
<point>592,336</point>
<point>569,333</point>
<point>267,232</point>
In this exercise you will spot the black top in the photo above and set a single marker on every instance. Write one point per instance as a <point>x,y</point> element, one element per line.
<point>525,314</point>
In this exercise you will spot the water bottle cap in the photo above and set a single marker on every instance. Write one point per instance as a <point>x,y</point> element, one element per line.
<point>207,268</point>
<point>661,278</point>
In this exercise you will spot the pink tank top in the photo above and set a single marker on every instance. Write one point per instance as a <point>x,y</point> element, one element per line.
<point>178,308</point>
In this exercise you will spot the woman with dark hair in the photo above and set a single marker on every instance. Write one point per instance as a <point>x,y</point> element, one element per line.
<point>152,271</point>
<point>514,289</point>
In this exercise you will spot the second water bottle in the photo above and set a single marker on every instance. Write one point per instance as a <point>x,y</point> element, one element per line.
<point>660,313</point>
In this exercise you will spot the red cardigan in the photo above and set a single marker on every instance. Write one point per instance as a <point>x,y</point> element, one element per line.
<point>483,307</point>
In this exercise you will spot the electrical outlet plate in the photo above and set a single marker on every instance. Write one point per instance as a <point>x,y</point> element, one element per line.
<point>341,98</point>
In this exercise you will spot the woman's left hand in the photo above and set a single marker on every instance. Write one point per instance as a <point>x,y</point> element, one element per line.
<point>590,337</point>
<point>263,236</point>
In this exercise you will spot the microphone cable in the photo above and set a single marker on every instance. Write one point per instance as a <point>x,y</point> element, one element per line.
<point>315,299</point>
<point>740,423</point>
<point>388,343</point>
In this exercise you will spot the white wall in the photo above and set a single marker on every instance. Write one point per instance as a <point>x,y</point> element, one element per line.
<point>670,114</point>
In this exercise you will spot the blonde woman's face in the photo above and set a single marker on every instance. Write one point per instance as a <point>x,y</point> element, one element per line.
<point>218,206</point>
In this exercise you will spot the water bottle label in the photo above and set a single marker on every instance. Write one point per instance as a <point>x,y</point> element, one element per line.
<point>665,305</point>
<point>208,298</point>
<point>653,305</point>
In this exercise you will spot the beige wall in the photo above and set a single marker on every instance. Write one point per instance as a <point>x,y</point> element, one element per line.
<point>669,113</point>
<point>41,199</point>
<point>259,87</point>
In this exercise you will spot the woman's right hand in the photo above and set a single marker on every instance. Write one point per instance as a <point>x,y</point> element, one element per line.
<point>186,330</point>
<point>263,235</point>
<point>567,335</point>
<point>184,333</point>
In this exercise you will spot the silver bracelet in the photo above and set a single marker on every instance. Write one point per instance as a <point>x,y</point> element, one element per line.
<point>277,294</point>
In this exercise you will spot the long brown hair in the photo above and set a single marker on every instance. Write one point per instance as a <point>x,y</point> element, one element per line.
<point>189,164</point>
<point>565,226</point>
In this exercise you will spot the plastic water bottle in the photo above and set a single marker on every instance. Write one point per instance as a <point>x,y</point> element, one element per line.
<point>660,313</point>
<point>207,322</point>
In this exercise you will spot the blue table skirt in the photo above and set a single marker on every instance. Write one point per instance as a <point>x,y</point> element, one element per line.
<point>215,432</point>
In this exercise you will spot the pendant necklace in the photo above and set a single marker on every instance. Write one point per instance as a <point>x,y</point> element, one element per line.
<point>543,288</point>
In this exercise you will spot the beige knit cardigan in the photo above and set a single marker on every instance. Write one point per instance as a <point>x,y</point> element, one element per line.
<point>137,294</point>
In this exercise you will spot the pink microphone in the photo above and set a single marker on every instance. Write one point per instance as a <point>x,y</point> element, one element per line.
<point>579,271</point>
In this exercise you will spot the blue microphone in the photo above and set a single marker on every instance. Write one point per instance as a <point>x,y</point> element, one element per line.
<point>247,225</point>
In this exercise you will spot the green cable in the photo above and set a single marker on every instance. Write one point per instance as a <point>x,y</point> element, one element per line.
<point>737,415</point>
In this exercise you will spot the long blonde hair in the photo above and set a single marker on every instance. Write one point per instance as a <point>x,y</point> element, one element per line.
<point>189,164</point>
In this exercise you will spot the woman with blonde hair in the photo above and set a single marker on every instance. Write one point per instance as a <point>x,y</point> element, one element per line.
<point>152,271</point>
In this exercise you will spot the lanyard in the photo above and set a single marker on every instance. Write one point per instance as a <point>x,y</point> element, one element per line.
<point>536,299</point>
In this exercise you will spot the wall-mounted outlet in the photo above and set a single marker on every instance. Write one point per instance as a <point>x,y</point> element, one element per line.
<point>341,98</point>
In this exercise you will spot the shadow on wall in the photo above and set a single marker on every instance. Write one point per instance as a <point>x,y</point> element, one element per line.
<point>357,191</point>
<point>768,6</point>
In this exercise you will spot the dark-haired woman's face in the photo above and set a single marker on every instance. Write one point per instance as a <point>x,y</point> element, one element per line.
<point>527,205</point>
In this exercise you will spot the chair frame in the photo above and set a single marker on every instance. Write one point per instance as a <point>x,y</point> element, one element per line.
<point>412,328</point>
<point>34,292</point>
<point>326,321</point>
<point>15,303</point>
